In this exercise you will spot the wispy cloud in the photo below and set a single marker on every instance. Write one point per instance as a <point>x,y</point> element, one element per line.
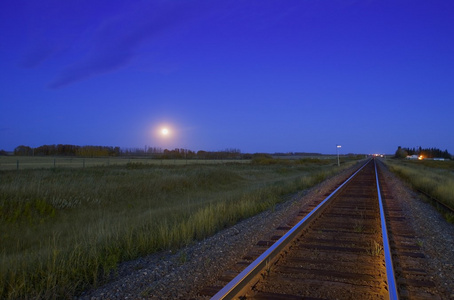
<point>37,55</point>
<point>115,41</point>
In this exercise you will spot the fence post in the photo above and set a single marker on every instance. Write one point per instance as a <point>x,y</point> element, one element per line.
<point>17,165</point>
<point>83,163</point>
<point>54,162</point>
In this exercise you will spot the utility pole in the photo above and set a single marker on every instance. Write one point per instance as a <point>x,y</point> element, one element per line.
<point>337,148</point>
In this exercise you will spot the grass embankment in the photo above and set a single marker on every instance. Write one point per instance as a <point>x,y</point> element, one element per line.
<point>435,178</point>
<point>66,230</point>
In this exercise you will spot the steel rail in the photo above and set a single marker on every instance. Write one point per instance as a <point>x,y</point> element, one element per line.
<point>391,279</point>
<point>241,280</point>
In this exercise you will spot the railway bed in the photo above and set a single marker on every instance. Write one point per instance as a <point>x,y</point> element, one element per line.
<point>336,253</point>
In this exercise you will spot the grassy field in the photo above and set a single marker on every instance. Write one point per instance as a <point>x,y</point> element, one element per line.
<point>63,230</point>
<point>42,162</point>
<point>435,178</point>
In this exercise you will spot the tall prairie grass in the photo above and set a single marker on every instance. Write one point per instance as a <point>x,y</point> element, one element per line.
<point>435,178</point>
<point>44,162</point>
<point>66,230</point>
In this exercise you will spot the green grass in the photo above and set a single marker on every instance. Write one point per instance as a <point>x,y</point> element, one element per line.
<point>63,230</point>
<point>435,178</point>
<point>43,162</point>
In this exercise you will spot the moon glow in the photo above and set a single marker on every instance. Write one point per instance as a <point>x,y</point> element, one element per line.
<point>164,131</point>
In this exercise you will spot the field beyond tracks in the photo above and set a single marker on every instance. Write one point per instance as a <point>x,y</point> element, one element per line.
<point>63,230</point>
<point>47,162</point>
<point>433,178</point>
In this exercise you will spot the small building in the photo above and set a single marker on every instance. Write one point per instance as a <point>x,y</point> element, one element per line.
<point>414,156</point>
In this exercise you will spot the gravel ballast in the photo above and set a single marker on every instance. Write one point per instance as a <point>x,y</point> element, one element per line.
<point>182,274</point>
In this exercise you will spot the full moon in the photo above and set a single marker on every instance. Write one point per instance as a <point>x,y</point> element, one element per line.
<point>165,131</point>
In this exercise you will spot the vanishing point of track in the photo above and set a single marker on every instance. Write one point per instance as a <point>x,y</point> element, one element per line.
<point>351,245</point>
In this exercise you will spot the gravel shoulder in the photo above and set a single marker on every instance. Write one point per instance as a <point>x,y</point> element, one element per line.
<point>182,274</point>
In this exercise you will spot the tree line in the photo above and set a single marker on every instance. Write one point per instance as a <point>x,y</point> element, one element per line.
<point>425,152</point>
<point>181,153</point>
<point>102,151</point>
<point>67,150</point>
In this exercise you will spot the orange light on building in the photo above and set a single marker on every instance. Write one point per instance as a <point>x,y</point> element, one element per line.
<point>420,157</point>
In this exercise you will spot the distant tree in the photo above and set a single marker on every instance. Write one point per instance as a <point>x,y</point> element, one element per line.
<point>116,151</point>
<point>154,151</point>
<point>201,154</point>
<point>233,153</point>
<point>261,155</point>
<point>3,152</point>
<point>23,151</point>
<point>400,153</point>
<point>246,156</point>
<point>66,149</point>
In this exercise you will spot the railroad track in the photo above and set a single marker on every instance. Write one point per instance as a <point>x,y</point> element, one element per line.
<point>353,244</point>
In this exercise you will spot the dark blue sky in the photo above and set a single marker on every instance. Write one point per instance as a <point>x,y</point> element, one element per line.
<point>257,75</point>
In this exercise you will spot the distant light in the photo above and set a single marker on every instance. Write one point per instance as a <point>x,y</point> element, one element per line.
<point>165,131</point>
<point>338,146</point>
<point>420,157</point>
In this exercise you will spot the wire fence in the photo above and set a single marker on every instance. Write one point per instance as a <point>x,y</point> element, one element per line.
<point>25,162</point>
